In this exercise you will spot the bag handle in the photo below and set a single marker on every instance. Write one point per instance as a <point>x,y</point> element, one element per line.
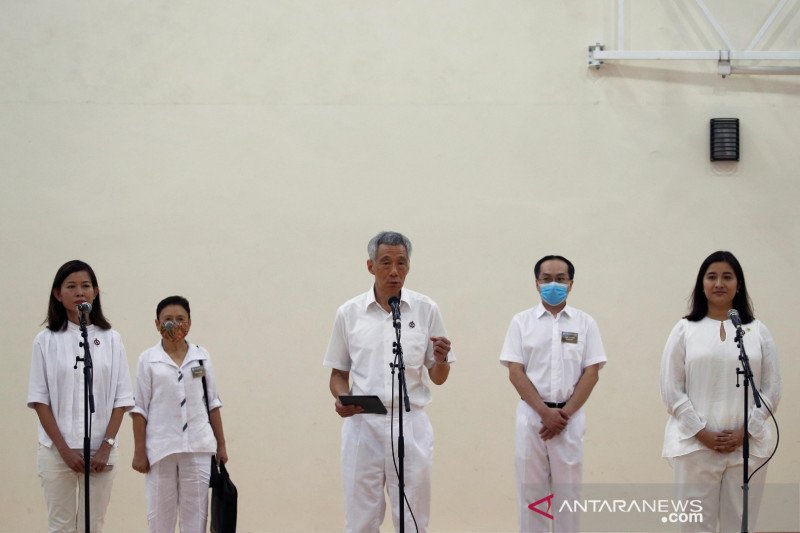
<point>215,478</point>
<point>205,394</point>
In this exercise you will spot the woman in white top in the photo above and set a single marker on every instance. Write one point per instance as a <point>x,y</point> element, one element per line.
<point>705,430</point>
<point>174,434</point>
<point>56,393</point>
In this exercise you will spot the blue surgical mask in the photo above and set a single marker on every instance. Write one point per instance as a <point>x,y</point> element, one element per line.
<point>553,293</point>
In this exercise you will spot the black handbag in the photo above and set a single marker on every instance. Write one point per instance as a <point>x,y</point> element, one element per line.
<point>223,499</point>
<point>224,495</point>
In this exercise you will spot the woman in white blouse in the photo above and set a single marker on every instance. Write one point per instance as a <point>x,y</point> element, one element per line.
<point>705,430</point>
<point>174,433</point>
<point>56,393</point>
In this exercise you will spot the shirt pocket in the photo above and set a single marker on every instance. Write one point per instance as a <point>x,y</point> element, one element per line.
<point>572,354</point>
<point>415,345</point>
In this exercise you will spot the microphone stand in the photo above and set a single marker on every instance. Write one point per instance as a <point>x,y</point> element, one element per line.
<point>88,407</point>
<point>402,396</point>
<point>747,374</point>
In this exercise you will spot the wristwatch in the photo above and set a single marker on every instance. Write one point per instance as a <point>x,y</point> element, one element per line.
<point>110,441</point>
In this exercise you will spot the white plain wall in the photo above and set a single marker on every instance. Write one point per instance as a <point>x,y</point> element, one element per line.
<point>242,153</point>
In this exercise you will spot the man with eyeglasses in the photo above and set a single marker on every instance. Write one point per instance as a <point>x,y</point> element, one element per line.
<point>553,353</point>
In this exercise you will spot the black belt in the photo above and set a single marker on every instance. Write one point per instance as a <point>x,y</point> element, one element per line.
<point>555,405</point>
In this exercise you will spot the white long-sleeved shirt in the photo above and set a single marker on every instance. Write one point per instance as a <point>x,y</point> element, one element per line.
<point>698,384</point>
<point>55,382</point>
<point>171,400</point>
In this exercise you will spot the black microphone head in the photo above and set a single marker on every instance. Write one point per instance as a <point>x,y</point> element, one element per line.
<point>733,315</point>
<point>394,305</point>
<point>84,307</point>
<point>168,325</point>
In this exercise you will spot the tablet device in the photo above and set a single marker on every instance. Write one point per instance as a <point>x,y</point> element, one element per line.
<point>371,404</point>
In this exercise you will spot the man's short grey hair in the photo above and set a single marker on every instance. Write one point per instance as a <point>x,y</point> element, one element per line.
<point>389,238</point>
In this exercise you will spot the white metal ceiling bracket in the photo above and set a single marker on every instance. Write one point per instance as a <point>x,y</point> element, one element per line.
<point>597,54</point>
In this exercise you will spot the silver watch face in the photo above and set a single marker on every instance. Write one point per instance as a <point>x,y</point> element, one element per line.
<point>110,441</point>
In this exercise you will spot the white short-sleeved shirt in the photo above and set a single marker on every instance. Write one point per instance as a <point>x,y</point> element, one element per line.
<point>698,384</point>
<point>55,382</point>
<point>553,349</point>
<point>171,400</point>
<point>361,343</point>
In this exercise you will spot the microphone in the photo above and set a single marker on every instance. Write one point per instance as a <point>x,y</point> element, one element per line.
<point>733,314</point>
<point>394,303</point>
<point>169,325</point>
<point>84,307</point>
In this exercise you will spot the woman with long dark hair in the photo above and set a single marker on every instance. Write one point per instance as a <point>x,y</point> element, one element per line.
<point>705,430</point>
<point>175,432</point>
<point>55,392</point>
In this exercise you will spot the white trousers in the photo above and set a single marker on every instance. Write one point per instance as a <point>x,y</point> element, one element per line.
<point>64,493</point>
<point>368,470</point>
<point>545,467</point>
<point>178,485</point>
<point>716,479</point>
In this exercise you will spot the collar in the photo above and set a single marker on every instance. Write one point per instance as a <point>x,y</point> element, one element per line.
<point>405,298</point>
<point>71,326</point>
<point>157,354</point>
<point>540,311</point>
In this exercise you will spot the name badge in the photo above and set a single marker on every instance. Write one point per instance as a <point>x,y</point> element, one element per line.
<point>199,371</point>
<point>569,337</point>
